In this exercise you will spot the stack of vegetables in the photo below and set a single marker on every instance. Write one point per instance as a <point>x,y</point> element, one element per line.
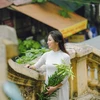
<point>55,79</point>
<point>29,50</point>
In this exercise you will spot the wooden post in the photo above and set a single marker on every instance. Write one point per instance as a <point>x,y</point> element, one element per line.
<point>92,70</point>
<point>98,85</point>
<point>11,48</point>
<point>3,71</point>
<point>79,84</point>
<point>81,74</point>
<point>73,83</point>
<point>99,74</point>
<point>92,66</point>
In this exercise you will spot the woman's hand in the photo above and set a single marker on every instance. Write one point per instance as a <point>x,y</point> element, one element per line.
<point>51,89</point>
<point>29,66</point>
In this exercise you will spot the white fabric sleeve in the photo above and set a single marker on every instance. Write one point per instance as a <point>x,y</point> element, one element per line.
<point>65,79</point>
<point>68,63</point>
<point>40,62</point>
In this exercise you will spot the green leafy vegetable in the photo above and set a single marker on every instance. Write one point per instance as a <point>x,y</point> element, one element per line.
<point>27,45</point>
<point>30,55</point>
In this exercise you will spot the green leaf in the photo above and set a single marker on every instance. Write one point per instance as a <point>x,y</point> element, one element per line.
<point>40,1</point>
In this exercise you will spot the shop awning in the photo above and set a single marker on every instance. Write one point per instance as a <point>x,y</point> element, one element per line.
<point>48,14</point>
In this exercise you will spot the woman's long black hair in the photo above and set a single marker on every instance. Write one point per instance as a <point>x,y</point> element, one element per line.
<point>57,36</point>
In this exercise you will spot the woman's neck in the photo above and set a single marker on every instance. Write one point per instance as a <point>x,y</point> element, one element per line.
<point>56,49</point>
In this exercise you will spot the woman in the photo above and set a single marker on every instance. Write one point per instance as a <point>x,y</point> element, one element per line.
<point>55,56</point>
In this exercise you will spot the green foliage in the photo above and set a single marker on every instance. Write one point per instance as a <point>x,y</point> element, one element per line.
<point>39,1</point>
<point>64,12</point>
<point>83,1</point>
<point>27,45</point>
<point>55,79</point>
<point>29,50</point>
<point>30,55</point>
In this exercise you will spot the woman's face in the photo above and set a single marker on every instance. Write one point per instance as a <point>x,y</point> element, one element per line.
<point>51,43</point>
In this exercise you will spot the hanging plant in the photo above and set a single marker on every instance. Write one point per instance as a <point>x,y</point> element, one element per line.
<point>64,12</point>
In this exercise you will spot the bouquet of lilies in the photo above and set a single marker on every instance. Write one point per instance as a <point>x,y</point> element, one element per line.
<point>55,79</point>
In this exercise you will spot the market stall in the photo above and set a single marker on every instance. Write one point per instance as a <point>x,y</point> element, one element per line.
<point>47,13</point>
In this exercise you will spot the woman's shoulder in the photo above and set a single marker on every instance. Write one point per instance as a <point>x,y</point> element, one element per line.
<point>67,58</point>
<point>48,52</point>
<point>66,54</point>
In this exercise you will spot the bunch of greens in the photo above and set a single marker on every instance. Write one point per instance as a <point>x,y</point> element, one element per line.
<point>29,50</point>
<point>55,79</point>
<point>30,55</point>
<point>27,45</point>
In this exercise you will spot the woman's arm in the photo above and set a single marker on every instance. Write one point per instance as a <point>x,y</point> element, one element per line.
<point>65,79</point>
<point>38,64</point>
<point>51,89</point>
